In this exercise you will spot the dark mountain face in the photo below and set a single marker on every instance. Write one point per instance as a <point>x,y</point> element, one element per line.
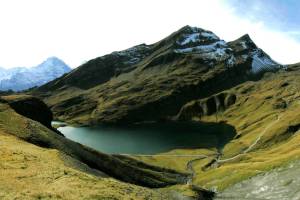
<point>102,69</point>
<point>152,82</point>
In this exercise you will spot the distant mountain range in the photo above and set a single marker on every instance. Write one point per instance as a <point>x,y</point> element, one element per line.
<point>22,78</point>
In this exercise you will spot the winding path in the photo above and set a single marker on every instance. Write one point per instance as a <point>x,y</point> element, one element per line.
<point>190,163</point>
<point>259,137</point>
<point>190,169</point>
<point>165,155</point>
<point>252,145</point>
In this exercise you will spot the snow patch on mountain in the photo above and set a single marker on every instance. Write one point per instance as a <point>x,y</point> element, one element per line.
<point>209,35</point>
<point>261,62</point>
<point>243,44</point>
<point>194,37</point>
<point>231,61</point>
<point>4,76</point>
<point>216,46</point>
<point>217,50</point>
<point>134,54</point>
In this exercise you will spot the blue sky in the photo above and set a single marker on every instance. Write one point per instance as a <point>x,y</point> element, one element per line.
<point>79,30</point>
<point>280,15</point>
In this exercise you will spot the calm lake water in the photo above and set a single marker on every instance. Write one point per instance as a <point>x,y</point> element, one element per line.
<point>151,138</point>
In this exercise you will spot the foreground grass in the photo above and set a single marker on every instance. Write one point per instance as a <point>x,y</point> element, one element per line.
<point>31,172</point>
<point>28,171</point>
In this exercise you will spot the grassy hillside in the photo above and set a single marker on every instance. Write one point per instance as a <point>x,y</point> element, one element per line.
<point>38,163</point>
<point>31,172</point>
<point>267,120</point>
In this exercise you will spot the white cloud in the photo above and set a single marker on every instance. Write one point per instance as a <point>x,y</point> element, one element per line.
<point>79,30</point>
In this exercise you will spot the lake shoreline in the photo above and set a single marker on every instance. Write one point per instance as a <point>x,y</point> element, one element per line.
<point>150,138</point>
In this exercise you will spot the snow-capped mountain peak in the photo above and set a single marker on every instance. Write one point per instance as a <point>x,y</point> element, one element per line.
<point>205,43</point>
<point>52,61</point>
<point>193,40</point>
<point>22,78</point>
<point>192,35</point>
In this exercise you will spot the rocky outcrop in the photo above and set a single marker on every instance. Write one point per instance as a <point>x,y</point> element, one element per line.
<point>31,107</point>
<point>208,106</point>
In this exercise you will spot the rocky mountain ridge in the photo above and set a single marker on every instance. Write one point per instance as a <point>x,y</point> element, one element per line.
<point>152,82</point>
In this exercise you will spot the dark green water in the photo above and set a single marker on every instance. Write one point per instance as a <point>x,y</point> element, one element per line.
<point>151,138</point>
